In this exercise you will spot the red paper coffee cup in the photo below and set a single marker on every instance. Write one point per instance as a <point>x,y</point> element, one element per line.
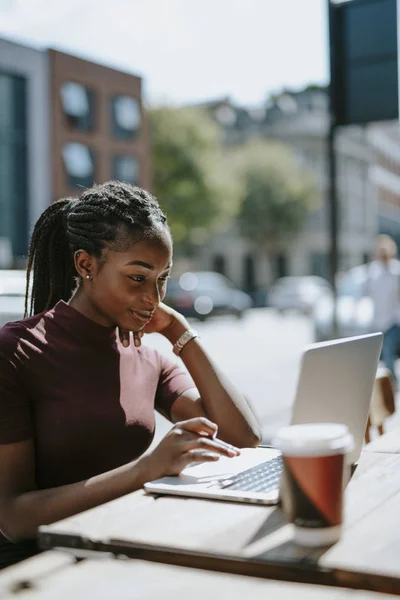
<point>312,479</point>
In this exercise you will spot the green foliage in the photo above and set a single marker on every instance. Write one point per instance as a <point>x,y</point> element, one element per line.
<point>191,178</point>
<point>202,185</point>
<point>278,196</point>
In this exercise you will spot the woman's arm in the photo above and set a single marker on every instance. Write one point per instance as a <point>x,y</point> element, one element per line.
<point>219,399</point>
<point>23,508</point>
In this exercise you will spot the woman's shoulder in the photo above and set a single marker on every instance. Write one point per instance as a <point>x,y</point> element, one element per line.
<point>12,333</point>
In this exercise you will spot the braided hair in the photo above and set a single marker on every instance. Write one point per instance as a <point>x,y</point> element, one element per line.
<point>106,215</point>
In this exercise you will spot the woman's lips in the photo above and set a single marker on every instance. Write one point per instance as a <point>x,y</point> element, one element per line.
<point>142,317</point>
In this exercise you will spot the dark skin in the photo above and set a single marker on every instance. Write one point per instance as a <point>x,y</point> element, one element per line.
<point>121,293</point>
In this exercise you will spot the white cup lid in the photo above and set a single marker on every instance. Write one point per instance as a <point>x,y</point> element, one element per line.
<point>314,439</point>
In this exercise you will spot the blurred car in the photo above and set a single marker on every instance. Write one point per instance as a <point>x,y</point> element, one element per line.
<point>297,293</point>
<point>354,311</point>
<point>203,294</point>
<point>12,295</point>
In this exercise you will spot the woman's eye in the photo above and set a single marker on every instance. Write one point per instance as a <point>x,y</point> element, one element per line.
<point>137,278</point>
<point>164,278</point>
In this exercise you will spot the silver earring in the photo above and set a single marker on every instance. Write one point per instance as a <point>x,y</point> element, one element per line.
<point>87,276</point>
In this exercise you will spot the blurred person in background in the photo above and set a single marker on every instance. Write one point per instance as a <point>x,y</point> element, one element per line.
<point>77,402</point>
<point>382,285</point>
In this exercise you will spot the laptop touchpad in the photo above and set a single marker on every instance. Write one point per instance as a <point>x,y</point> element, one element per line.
<point>226,467</point>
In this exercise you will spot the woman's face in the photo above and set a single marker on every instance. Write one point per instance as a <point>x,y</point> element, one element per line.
<point>127,289</point>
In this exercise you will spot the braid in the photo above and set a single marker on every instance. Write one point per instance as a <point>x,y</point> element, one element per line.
<point>106,215</point>
<point>49,261</point>
<point>95,220</point>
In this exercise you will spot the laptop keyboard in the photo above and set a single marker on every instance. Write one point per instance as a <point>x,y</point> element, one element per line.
<point>262,478</point>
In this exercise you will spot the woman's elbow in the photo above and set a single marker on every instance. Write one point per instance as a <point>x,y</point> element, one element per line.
<point>254,438</point>
<point>9,532</point>
<point>251,438</point>
<point>254,433</point>
<point>13,530</point>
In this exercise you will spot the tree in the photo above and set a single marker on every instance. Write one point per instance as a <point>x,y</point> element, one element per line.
<point>190,173</point>
<point>278,195</point>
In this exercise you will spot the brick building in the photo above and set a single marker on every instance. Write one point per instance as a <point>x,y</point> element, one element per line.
<point>65,123</point>
<point>98,126</point>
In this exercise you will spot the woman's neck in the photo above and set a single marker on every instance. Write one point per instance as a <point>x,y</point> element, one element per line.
<point>83,304</point>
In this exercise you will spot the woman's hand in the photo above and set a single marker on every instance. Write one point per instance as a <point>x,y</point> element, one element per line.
<point>163,320</point>
<point>187,442</point>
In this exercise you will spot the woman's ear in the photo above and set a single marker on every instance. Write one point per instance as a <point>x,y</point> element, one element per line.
<point>83,264</point>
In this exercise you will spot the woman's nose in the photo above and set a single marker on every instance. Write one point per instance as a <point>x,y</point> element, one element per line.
<point>152,296</point>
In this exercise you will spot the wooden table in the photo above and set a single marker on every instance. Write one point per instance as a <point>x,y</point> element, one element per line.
<point>388,443</point>
<point>253,540</point>
<point>55,576</point>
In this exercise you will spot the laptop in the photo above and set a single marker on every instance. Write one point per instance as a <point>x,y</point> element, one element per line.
<point>335,384</point>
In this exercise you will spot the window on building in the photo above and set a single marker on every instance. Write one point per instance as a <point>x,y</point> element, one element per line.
<point>320,265</point>
<point>249,272</point>
<point>219,263</point>
<point>13,163</point>
<point>225,115</point>
<point>281,265</point>
<point>366,257</point>
<point>79,165</point>
<point>78,105</point>
<point>125,116</point>
<point>126,168</point>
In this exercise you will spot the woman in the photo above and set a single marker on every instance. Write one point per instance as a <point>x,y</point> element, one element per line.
<point>76,402</point>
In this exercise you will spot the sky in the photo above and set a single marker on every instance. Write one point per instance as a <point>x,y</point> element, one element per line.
<point>187,51</point>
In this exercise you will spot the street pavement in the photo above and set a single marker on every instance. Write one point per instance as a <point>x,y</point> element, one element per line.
<point>260,353</point>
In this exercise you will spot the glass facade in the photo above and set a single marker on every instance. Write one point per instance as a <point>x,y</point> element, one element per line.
<point>78,105</point>
<point>125,117</point>
<point>79,165</point>
<point>126,168</point>
<point>13,162</point>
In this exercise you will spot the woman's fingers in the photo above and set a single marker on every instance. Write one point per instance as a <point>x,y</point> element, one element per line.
<point>199,456</point>
<point>200,433</point>
<point>199,425</point>
<point>137,338</point>
<point>124,337</point>
<point>211,445</point>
